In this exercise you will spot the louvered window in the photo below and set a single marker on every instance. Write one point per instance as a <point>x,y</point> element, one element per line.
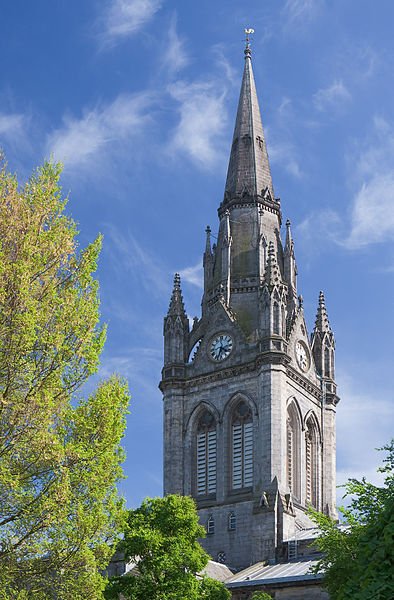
<point>312,464</point>
<point>290,464</point>
<point>206,455</point>
<point>232,522</point>
<point>242,447</point>
<point>309,470</point>
<point>210,525</point>
<point>293,451</point>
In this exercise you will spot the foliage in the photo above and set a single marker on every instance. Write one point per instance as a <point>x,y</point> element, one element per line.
<point>261,596</point>
<point>358,561</point>
<point>161,539</point>
<point>59,455</point>
<point>210,589</point>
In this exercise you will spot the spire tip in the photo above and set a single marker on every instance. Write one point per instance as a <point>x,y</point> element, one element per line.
<point>248,51</point>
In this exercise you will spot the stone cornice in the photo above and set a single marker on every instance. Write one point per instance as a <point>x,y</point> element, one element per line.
<point>265,358</point>
<point>272,206</point>
<point>303,382</point>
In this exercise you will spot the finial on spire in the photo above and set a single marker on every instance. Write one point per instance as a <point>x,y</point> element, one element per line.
<point>176,303</point>
<point>177,280</point>
<point>248,32</point>
<point>208,240</point>
<point>322,323</point>
<point>289,246</point>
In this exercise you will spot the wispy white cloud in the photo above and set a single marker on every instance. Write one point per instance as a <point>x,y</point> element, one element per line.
<point>284,153</point>
<point>123,18</point>
<point>202,122</point>
<point>141,366</point>
<point>372,218</point>
<point>80,141</point>
<point>224,66</point>
<point>319,227</point>
<point>358,436</point>
<point>137,262</point>
<point>12,124</point>
<point>371,162</point>
<point>333,97</point>
<point>301,12</point>
<point>282,149</point>
<point>175,57</point>
<point>193,275</point>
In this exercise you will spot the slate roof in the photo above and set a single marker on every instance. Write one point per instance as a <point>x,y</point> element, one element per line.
<point>248,169</point>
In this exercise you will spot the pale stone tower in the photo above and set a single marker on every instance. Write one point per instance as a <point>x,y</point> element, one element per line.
<point>249,397</point>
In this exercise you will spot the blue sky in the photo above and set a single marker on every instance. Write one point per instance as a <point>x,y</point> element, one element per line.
<point>138,99</point>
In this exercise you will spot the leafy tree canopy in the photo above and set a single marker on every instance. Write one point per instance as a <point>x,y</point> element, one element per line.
<point>358,561</point>
<point>162,539</point>
<point>60,455</point>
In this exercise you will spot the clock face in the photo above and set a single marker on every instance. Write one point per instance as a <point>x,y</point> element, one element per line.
<point>221,347</point>
<point>302,356</point>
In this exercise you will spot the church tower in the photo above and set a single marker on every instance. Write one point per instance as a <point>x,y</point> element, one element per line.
<point>249,397</point>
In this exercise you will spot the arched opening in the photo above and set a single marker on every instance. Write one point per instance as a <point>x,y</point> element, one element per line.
<point>327,362</point>
<point>312,446</point>
<point>276,319</point>
<point>206,454</point>
<point>241,447</point>
<point>293,451</point>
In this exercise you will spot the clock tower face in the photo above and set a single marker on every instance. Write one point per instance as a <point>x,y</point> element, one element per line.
<point>302,356</point>
<point>220,347</point>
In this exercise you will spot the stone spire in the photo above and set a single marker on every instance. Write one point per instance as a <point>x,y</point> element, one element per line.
<point>273,302</point>
<point>323,342</point>
<point>290,268</point>
<point>322,324</point>
<point>176,327</point>
<point>177,307</point>
<point>248,171</point>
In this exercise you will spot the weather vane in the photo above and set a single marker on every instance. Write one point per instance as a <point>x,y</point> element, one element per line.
<point>248,32</point>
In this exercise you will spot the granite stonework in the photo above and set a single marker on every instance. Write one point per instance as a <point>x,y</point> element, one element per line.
<point>271,365</point>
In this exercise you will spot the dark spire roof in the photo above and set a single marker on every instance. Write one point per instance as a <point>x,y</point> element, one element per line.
<point>322,323</point>
<point>177,307</point>
<point>248,171</point>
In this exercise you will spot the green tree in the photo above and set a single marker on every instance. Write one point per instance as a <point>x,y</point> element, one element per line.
<point>162,539</point>
<point>261,596</point>
<point>210,589</point>
<point>358,560</point>
<point>60,455</point>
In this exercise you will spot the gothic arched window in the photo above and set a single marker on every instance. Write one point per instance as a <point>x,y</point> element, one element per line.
<point>276,316</point>
<point>206,454</point>
<point>242,447</point>
<point>327,369</point>
<point>312,463</point>
<point>293,451</point>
